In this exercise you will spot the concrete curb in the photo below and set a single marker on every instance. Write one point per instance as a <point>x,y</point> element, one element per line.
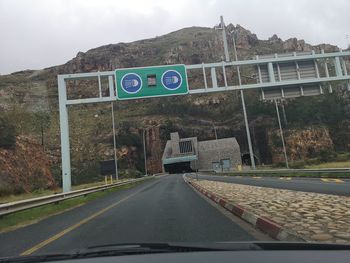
<point>264,224</point>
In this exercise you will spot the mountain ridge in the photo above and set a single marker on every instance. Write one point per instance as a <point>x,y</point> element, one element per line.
<point>25,92</point>
<point>244,40</point>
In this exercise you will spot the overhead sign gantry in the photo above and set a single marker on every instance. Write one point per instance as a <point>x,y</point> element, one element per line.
<point>287,76</point>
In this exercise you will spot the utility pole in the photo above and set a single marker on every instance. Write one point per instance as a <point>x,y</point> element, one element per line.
<point>114,144</point>
<point>42,135</point>
<point>284,114</point>
<point>216,135</point>
<point>347,37</point>
<point>219,153</point>
<point>282,137</point>
<point>227,56</point>
<point>251,153</point>
<point>144,151</point>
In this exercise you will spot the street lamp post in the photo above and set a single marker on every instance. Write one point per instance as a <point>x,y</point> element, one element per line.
<point>144,151</point>
<point>282,137</point>
<point>219,155</point>
<point>227,56</point>
<point>251,153</point>
<point>284,114</point>
<point>216,135</point>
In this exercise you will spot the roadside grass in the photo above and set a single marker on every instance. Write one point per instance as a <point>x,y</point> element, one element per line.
<point>44,192</point>
<point>344,164</point>
<point>338,160</point>
<point>311,175</point>
<point>342,160</point>
<point>30,216</point>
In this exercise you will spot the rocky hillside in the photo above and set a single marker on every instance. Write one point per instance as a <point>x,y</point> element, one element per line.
<point>24,167</point>
<point>27,92</point>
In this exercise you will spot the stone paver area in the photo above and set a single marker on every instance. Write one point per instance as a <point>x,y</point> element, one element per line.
<point>313,216</point>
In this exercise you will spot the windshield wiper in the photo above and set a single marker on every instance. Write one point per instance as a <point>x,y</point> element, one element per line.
<point>221,246</point>
<point>145,248</point>
<point>119,249</point>
<point>122,249</point>
<point>40,258</point>
<point>301,246</point>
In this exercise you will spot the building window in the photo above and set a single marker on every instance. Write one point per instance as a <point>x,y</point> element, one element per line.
<point>186,147</point>
<point>226,164</point>
<point>216,166</point>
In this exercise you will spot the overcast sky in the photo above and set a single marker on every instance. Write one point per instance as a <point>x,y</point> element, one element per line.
<point>40,33</point>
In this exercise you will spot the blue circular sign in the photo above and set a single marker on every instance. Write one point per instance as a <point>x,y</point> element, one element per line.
<point>171,79</point>
<point>131,83</point>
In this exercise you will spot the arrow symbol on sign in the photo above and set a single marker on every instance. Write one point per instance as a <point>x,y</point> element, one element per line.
<point>175,79</point>
<point>135,83</point>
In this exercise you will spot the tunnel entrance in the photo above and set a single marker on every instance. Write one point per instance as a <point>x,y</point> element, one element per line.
<point>246,159</point>
<point>176,168</point>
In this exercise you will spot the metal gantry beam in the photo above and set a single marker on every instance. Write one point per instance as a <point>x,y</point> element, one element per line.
<point>271,81</point>
<point>114,142</point>
<point>64,103</point>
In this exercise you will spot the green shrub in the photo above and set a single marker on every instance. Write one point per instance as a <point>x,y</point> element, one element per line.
<point>297,164</point>
<point>128,139</point>
<point>326,155</point>
<point>276,140</point>
<point>86,172</point>
<point>129,173</point>
<point>5,190</point>
<point>7,133</point>
<point>279,165</point>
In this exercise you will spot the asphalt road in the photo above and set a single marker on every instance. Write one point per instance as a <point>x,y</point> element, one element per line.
<point>316,185</point>
<point>164,209</point>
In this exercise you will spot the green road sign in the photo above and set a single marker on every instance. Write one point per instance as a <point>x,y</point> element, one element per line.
<point>146,82</point>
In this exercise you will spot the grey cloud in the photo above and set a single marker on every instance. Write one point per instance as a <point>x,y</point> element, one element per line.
<point>41,33</point>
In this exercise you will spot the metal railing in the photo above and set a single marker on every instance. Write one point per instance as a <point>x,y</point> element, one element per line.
<point>12,207</point>
<point>285,171</point>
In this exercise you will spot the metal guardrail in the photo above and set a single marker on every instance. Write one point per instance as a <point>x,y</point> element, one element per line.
<point>324,170</point>
<point>286,171</point>
<point>12,207</point>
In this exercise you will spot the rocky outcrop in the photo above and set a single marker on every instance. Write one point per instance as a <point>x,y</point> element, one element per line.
<point>301,143</point>
<point>275,39</point>
<point>154,146</point>
<point>244,38</point>
<point>294,44</point>
<point>24,167</point>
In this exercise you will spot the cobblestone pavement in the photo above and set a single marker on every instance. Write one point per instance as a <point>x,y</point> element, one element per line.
<point>313,216</point>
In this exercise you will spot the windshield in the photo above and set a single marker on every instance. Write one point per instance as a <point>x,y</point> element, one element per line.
<point>195,122</point>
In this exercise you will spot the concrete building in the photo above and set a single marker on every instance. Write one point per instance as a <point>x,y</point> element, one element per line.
<point>189,154</point>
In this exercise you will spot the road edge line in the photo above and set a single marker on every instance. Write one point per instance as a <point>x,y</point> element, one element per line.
<point>72,227</point>
<point>264,224</point>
